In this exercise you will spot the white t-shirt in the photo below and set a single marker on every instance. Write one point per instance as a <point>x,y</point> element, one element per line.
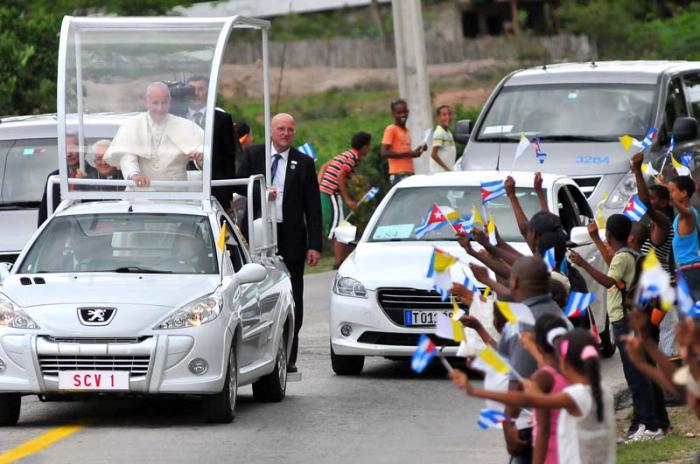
<point>584,440</point>
<point>447,151</point>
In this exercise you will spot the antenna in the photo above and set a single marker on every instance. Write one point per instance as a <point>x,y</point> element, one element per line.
<point>544,59</point>
<point>593,65</point>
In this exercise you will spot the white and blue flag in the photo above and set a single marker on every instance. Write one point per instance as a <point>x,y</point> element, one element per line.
<point>491,419</point>
<point>425,352</point>
<point>308,150</point>
<point>549,259</point>
<point>635,209</point>
<point>649,138</point>
<point>371,193</point>
<point>685,301</point>
<point>577,304</point>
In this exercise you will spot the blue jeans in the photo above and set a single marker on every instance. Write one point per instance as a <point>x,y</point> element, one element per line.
<point>644,398</point>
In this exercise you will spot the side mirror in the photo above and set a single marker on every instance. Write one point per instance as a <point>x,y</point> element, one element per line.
<point>579,236</point>
<point>685,129</point>
<point>463,130</point>
<point>5,271</point>
<point>251,273</point>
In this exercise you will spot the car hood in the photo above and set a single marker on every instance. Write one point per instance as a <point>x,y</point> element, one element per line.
<point>113,289</point>
<point>569,158</point>
<point>18,225</point>
<point>404,264</point>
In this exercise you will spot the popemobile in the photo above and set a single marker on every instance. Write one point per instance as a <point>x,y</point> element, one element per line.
<point>145,286</point>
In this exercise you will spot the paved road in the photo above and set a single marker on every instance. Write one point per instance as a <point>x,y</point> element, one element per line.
<point>387,415</point>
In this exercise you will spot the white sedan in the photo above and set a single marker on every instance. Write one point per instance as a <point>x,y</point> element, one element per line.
<point>136,298</point>
<point>381,300</point>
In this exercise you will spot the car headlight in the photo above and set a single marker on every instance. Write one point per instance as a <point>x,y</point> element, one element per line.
<point>623,192</point>
<point>347,286</point>
<point>194,314</point>
<point>13,317</point>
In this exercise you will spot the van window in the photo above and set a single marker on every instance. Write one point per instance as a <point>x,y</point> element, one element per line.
<point>692,86</point>
<point>675,103</point>
<point>567,211</point>
<point>27,165</point>
<point>569,113</point>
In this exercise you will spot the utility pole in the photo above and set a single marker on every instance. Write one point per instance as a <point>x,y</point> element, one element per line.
<point>412,72</point>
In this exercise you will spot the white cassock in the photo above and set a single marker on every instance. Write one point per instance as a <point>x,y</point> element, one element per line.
<point>158,151</point>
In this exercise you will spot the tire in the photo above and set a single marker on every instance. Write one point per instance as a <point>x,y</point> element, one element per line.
<point>607,346</point>
<point>272,388</point>
<point>220,408</point>
<point>347,365</point>
<point>9,408</point>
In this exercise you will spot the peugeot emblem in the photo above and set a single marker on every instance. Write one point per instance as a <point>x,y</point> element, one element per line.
<point>96,316</point>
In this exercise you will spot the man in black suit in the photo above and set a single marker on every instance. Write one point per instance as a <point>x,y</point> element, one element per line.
<point>225,147</point>
<point>297,208</point>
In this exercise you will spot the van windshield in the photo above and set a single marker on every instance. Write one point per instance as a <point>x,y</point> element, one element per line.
<point>26,166</point>
<point>596,113</point>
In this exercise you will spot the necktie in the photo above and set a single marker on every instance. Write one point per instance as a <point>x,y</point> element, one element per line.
<point>197,117</point>
<point>273,169</point>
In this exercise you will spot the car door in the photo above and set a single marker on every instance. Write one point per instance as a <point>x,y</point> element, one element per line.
<point>691,83</point>
<point>245,297</point>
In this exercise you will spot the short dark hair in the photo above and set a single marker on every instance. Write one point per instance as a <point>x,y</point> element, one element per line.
<point>198,77</point>
<point>619,227</point>
<point>684,183</point>
<point>543,221</point>
<point>440,108</point>
<point>360,140</point>
<point>661,191</point>
<point>241,129</point>
<point>397,102</point>
<point>640,231</point>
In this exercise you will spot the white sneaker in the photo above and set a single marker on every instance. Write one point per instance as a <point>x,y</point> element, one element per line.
<point>642,434</point>
<point>629,437</point>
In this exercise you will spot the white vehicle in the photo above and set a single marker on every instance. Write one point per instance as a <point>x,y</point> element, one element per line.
<point>28,154</point>
<point>381,300</point>
<point>141,292</point>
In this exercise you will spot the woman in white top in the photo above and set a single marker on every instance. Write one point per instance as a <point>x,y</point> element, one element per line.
<point>444,153</point>
<point>586,428</point>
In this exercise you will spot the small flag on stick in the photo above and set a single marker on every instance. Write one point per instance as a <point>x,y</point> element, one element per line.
<point>577,304</point>
<point>425,352</point>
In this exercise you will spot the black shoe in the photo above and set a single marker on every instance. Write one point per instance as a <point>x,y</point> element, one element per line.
<point>291,369</point>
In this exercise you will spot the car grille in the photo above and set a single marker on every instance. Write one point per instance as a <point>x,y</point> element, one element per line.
<point>135,365</point>
<point>399,339</point>
<point>95,340</point>
<point>587,184</point>
<point>394,301</point>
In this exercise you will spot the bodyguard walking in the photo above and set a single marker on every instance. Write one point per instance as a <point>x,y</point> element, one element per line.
<point>297,206</point>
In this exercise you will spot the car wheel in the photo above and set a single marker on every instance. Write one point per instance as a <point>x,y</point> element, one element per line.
<point>273,387</point>
<point>9,408</point>
<point>607,345</point>
<point>347,365</point>
<point>221,407</point>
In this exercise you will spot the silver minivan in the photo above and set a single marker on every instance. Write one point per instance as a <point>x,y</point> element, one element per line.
<point>28,154</point>
<point>579,111</point>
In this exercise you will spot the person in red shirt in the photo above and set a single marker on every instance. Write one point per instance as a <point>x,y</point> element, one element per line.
<point>396,144</point>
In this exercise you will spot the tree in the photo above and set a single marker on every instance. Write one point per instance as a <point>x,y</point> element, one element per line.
<point>29,33</point>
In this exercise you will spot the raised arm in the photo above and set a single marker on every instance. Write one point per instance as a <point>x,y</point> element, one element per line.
<point>600,277</point>
<point>482,275</point>
<point>594,233</point>
<point>663,225</point>
<point>520,217</point>
<point>540,192</point>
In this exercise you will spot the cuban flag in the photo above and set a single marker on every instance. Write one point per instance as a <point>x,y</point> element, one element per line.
<point>671,146</point>
<point>470,285</point>
<point>549,259</point>
<point>541,156</point>
<point>635,209</point>
<point>649,138</point>
<point>308,150</point>
<point>464,225</point>
<point>425,352</point>
<point>434,220</point>
<point>492,190</point>
<point>491,419</point>
<point>577,304</point>
<point>371,193</point>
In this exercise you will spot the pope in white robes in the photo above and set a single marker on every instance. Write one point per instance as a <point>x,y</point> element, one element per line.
<point>156,145</point>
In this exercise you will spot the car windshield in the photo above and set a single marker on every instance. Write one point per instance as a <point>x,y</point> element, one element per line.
<point>408,208</point>
<point>26,164</point>
<point>599,113</point>
<point>136,243</point>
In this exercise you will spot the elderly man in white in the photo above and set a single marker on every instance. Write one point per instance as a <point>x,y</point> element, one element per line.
<point>156,145</point>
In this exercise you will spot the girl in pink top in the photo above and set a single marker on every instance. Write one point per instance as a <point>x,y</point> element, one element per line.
<point>548,329</point>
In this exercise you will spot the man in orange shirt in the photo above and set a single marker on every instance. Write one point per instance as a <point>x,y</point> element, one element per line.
<point>396,144</point>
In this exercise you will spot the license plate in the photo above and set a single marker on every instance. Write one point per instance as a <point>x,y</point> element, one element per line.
<point>425,318</point>
<point>93,380</point>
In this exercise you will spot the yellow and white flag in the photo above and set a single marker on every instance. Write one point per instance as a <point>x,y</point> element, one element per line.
<point>476,217</point>
<point>680,168</point>
<point>628,141</point>
<point>654,281</point>
<point>491,230</point>
<point>221,242</point>
<point>449,328</point>
<point>516,312</point>
<point>522,146</point>
<point>489,361</point>
<point>600,217</point>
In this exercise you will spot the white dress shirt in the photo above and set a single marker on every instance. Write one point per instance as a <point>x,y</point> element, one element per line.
<point>190,115</point>
<point>278,181</point>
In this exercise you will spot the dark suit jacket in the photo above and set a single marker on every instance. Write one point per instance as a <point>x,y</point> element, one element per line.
<point>301,206</point>
<point>224,152</point>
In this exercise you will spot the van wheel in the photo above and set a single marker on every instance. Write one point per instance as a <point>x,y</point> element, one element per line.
<point>9,408</point>
<point>272,388</point>
<point>347,365</point>
<point>607,345</point>
<point>220,408</point>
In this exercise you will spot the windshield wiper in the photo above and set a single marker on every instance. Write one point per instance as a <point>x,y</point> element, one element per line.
<point>139,270</point>
<point>576,138</point>
<point>501,139</point>
<point>19,205</point>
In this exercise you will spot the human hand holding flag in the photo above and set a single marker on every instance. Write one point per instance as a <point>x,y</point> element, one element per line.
<point>577,304</point>
<point>635,209</point>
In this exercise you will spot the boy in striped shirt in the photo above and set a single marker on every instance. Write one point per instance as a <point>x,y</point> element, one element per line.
<point>335,196</point>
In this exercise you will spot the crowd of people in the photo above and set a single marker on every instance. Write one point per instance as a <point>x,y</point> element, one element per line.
<point>557,360</point>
